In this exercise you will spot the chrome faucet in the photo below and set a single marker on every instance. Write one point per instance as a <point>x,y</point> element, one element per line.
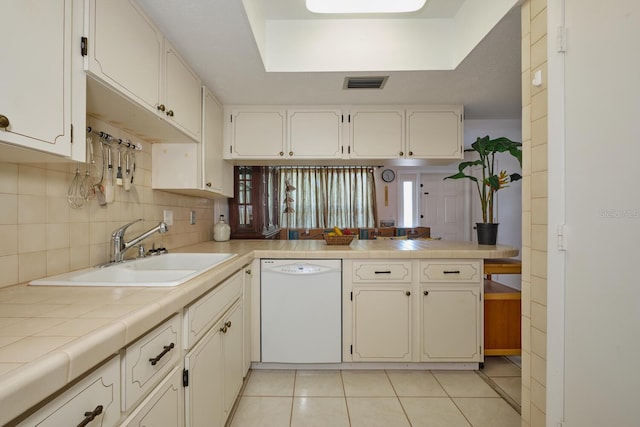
<point>120,246</point>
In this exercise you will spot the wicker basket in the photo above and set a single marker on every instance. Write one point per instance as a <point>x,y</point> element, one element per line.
<point>338,240</point>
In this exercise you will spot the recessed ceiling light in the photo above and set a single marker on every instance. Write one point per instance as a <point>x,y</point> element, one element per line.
<point>364,6</point>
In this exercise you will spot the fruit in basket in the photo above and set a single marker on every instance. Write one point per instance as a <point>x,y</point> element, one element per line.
<point>346,232</point>
<point>337,231</point>
<point>331,234</point>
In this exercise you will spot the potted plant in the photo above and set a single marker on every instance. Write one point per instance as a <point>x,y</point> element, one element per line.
<point>490,181</point>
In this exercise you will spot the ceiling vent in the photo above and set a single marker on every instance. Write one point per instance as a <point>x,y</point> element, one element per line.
<point>365,82</point>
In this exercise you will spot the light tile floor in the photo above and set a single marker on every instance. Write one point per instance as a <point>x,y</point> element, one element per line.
<point>287,398</point>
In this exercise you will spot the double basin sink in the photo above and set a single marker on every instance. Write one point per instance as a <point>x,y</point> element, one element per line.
<point>159,270</point>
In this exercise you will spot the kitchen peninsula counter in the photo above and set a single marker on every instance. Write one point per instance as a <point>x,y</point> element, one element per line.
<point>50,335</point>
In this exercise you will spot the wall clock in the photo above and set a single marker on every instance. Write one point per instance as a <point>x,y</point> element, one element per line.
<point>388,175</point>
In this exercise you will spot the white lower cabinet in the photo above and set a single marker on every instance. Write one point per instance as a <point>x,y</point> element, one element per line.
<point>213,365</point>
<point>450,324</point>
<point>413,311</point>
<point>163,407</point>
<point>93,401</point>
<point>382,320</point>
<point>147,361</point>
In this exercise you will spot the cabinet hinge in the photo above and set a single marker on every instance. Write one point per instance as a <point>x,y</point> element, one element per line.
<point>349,150</point>
<point>342,118</point>
<point>84,46</point>
<point>72,133</point>
<point>351,349</point>
<point>342,149</point>
<point>351,296</point>
<point>231,149</point>
<point>185,378</point>
<point>231,118</point>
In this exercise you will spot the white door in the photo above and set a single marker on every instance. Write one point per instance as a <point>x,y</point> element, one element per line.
<point>442,206</point>
<point>596,300</point>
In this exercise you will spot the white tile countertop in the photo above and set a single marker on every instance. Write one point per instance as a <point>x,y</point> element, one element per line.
<point>50,336</point>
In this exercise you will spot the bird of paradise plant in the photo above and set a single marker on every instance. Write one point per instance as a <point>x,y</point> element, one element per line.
<point>490,182</point>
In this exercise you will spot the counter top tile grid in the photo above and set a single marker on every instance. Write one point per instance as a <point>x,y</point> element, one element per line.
<point>116,316</point>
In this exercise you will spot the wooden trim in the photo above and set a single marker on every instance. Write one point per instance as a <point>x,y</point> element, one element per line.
<point>502,266</point>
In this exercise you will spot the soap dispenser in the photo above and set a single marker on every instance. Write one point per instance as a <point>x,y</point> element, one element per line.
<point>221,231</point>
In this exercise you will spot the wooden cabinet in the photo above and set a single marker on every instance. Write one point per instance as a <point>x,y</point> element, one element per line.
<point>434,132</point>
<point>213,367</point>
<point>251,215</point>
<point>196,169</point>
<point>376,133</point>
<point>42,93</point>
<point>98,395</point>
<point>382,324</point>
<point>163,406</point>
<point>130,55</point>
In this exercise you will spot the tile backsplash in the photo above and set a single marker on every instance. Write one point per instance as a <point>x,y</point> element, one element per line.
<point>40,235</point>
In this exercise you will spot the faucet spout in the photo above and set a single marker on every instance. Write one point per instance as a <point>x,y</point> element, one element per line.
<point>119,244</point>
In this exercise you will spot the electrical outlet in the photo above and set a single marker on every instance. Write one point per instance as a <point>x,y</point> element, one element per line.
<point>192,218</point>
<point>168,217</point>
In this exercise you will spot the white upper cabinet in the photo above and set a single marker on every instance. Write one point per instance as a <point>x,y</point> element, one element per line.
<point>128,54</point>
<point>315,133</point>
<point>326,133</point>
<point>39,78</point>
<point>196,169</point>
<point>256,133</point>
<point>125,50</point>
<point>434,132</point>
<point>376,133</point>
<point>182,97</point>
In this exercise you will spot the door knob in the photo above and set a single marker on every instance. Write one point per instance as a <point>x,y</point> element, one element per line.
<point>4,121</point>
<point>161,107</point>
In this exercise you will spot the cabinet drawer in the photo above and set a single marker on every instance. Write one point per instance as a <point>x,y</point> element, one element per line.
<point>202,314</point>
<point>149,359</point>
<point>162,406</point>
<point>450,271</point>
<point>381,272</point>
<point>100,388</point>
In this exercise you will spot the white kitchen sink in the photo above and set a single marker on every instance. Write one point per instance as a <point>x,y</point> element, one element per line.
<point>159,270</point>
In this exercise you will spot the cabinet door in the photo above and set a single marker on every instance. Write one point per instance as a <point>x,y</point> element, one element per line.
<point>182,93</point>
<point>257,133</point>
<point>233,338</point>
<point>100,389</point>
<point>163,407</point>
<point>315,134</point>
<point>382,324</point>
<point>434,133</point>
<point>125,50</point>
<point>35,82</point>
<point>451,329</point>
<point>204,394</point>
<point>246,325</point>
<point>218,173</point>
<point>376,133</point>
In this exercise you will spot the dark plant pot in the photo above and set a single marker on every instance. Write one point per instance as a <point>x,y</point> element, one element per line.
<point>487,233</point>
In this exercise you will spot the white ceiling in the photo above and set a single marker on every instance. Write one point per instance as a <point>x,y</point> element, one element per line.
<point>217,40</point>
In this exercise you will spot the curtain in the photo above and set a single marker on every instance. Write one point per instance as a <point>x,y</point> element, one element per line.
<point>322,197</point>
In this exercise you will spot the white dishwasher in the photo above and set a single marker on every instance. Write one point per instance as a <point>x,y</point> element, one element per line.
<point>301,311</point>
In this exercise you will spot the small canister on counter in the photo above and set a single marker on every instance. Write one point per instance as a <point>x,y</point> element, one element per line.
<point>221,231</point>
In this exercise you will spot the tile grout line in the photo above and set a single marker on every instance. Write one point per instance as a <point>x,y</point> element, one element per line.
<point>344,392</point>
<point>451,399</point>
<point>503,394</point>
<point>398,397</point>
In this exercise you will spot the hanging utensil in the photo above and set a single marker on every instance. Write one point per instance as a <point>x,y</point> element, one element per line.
<point>95,174</point>
<point>76,192</point>
<point>109,190</point>
<point>127,170</point>
<point>119,171</point>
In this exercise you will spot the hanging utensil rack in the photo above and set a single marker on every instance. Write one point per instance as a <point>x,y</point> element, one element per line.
<point>108,139</point>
